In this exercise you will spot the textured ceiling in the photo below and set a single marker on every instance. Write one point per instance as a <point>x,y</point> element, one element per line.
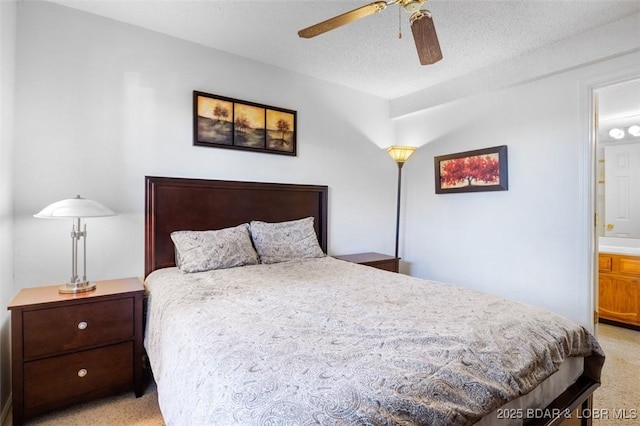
<point>367,55</point>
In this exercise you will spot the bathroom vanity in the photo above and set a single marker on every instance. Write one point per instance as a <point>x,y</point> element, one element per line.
<point>619,287</point>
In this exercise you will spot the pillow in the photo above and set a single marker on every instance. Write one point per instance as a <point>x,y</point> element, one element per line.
<point>282,241</point>
<point>198,251</point>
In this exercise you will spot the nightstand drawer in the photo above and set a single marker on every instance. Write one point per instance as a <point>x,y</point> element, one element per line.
<point>387,265</point>
<point>53,330</point>
<point>68,379</point>
<point>376,260</point>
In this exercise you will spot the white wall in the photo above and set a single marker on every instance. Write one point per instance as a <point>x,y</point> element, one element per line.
<point>101,104</point>
<point>529,243</point>
<point>7,68</point>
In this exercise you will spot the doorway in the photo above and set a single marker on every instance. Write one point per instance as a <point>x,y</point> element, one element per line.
<point>617,201</point>
<point>617,147</point>
<point>616,195</point>
<point>615,124</point>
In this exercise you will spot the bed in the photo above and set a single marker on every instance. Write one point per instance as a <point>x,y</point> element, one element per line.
<point>299,339</point>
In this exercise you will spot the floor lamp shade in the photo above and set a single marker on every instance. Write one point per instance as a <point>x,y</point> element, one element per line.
<point>76,209</point>
<point>400,155</point>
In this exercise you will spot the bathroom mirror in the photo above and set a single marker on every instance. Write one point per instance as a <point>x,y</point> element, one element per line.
<point>618,154</point>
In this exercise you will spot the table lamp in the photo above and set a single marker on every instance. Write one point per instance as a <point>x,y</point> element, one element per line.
<point>77,209</point>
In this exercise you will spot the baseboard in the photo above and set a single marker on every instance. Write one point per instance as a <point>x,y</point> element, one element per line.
<point>619,324</point>
<point>6,410</point>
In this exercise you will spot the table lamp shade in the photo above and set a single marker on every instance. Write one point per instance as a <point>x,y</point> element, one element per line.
<point>74,208</point>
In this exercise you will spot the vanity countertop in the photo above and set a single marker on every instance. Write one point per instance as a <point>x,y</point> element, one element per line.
<point>612,245</point>
<point>619,250</point>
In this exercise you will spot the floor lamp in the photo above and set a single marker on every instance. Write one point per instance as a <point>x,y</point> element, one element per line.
<point>400,155</point>
<point>76,209</point>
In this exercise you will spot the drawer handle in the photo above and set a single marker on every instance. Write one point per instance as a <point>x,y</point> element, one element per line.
<point>82,372</point>
<point>82,325</point>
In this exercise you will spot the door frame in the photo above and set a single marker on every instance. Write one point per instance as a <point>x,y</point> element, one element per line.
<point>588,268</point>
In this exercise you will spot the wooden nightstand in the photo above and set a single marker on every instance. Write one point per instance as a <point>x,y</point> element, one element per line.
<point>377,260</point>
<point>70,348</point>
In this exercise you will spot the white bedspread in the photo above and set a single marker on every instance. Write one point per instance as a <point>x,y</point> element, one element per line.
<point>323,341</point>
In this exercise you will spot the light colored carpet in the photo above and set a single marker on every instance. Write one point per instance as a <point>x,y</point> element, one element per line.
<point>620,390</point>
<point>619,395</point>
<point>120,410</point>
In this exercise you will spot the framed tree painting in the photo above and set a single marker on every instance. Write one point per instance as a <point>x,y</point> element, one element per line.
<point>224,122</point>
<point>472,171</point>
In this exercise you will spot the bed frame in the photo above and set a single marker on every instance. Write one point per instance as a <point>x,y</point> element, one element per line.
<point>173,204</point>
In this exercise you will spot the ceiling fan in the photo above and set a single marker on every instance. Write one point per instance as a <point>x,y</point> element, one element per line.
<point>421,21</point>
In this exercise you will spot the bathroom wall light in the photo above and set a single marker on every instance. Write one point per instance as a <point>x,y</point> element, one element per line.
<point>616,133</point>
<point>634,130</point>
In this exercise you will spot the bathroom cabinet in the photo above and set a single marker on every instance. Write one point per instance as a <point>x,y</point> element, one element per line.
<point>619,288</point>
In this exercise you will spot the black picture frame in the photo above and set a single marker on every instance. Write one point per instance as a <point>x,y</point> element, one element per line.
<point>222,122</point>
<point>472,171</point>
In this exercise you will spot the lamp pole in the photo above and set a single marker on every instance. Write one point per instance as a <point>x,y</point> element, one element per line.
<point>400,154</point>
<point>400,164</point>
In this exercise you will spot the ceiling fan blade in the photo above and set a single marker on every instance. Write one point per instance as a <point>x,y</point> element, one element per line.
<point>424,34</point>
<point>343,19</point>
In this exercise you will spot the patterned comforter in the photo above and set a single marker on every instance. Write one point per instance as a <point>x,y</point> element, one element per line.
<point>324,341</point>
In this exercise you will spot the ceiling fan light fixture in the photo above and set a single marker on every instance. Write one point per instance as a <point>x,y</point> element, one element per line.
<point>634,130</point>
<point>412,6</point>
<point>616,133</point>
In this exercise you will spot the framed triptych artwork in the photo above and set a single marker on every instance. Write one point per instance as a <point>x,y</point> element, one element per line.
<point>223,122</point>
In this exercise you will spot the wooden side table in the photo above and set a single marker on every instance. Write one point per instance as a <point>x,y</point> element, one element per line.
<point>71,348</point>
<point>377,260</point>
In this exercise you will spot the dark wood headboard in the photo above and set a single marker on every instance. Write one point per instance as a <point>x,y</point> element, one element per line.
<point>174,204</point>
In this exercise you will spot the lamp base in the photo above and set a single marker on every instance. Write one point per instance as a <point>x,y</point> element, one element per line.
<point>76,287</point>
